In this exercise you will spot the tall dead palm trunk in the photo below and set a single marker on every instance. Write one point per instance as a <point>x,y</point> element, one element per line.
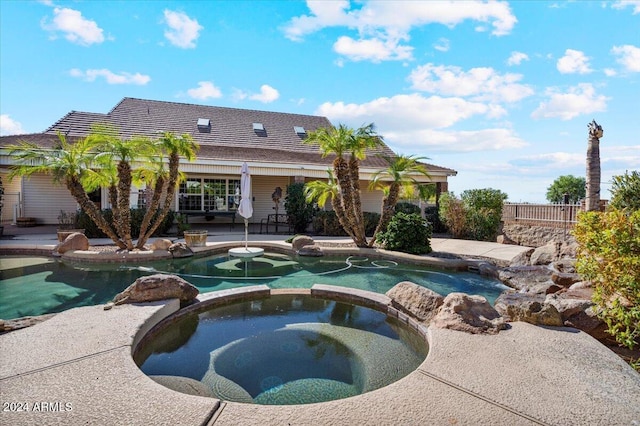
<point>592,201</point>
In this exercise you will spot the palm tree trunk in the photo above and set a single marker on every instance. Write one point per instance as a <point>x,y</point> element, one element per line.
<point>341,170</point>
<point>174,169</point>
<point>124,203</point>
<point>80,195</point>
<point>388,209</point>
<point>354,175</point>
<point>152,208</point>
<point>592,201</point>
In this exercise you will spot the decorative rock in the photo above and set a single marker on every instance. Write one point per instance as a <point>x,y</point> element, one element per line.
<point>108,306</point>
<point>178,250</point>
<point>312,251</point>
<point>503,239</point>
<point>544,255</point>
<point>157,287</point>
<point>487,269</point>
<point>160,244</point>
<point>580,285</point>
<point>472,314</point>
<point>565,279</point>
<point>527,307</point>
<point>75,241</point>
<point>184,385</point>
<point>23,322</point>
<point>418,301</point>
<point>565,265</point>
<point>301,241</point>
<point>522,259</point>
<point>520,277</point>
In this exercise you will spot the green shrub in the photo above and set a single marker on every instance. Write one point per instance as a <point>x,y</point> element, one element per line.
<point>299,210</point>
<point>371,220</point>
<point>609,257</point>
<point>483,212</point>
<point>408,233</point>
<point>92,230</point>
<point>408,208</point>
<point>326,223</point>
<point>433,217</point>
<point>476,215</point>
<point>453,215</point>
<point>626,191</point>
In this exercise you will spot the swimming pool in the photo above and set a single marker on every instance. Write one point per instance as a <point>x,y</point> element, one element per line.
<point>40,285</point>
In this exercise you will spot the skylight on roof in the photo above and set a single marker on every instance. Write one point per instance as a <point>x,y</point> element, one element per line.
<point>258,127</point>
<point>299,130</point>
<point>204,124</point>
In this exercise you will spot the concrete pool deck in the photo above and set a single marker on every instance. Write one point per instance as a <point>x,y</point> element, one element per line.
<point>76,368</point>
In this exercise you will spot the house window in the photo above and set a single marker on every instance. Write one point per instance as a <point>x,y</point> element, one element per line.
<point>209,194</point>
<point>190,195</point>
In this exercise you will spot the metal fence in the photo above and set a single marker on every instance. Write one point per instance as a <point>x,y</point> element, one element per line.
<point>550,215</point>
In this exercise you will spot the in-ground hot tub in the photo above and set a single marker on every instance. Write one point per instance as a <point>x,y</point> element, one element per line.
<point>285,348</point>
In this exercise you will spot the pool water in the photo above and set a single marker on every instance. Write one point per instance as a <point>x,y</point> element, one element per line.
<point>285,349</point>
<point>39,285</point>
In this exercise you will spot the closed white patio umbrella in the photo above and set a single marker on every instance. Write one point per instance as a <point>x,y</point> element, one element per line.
<point>246,207</point>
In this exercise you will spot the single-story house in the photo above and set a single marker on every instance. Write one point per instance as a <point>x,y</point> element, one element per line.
<point>270,142</point>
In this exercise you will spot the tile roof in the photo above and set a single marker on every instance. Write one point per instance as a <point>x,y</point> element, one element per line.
<point>231,135</point>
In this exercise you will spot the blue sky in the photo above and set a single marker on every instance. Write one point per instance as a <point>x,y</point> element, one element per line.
<point>502,92</point>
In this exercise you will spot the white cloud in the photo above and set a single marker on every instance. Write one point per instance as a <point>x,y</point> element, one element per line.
<point>454,141</point>
<point>205,90</point>
<point>381,26</point>
<point>111,77</point>
<point>579,100</point>
<point>481,84</point>
<point>516,58</point>
<point>412,110</point>
<point>183,31</point>
<point>443,45</point>
<point>374,49</point>
<point>551,160</point>
<point>628,57</point>
<point>399,15</point>
<point>267,94</point>
<point>573,61</point>
<point>621,4</point>
<point>74,26</point>
<point>610,72</point>
<point>9,126</point>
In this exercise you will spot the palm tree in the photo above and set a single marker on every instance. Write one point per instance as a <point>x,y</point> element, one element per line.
<point>115,150</point>
<point>175,147</point>
<point>400,173</point>
<point>341,141</point>
<point>363,139</point>
<point>320,191</point>
<point>592,201</point>
<point>68,163</point>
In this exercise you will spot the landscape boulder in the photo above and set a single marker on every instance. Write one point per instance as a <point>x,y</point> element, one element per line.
<point>75,241</point>
<point>312,251</point>
<point>578,311</point>
<point>179,250</point>
<point>301,241</point>
<point>160,244</point>
<point>527,307</point>
<point>417,301</point>
<point>472,314</point>
<point>544,255</point>
<point>521,277</point>
<point>157,287</point>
